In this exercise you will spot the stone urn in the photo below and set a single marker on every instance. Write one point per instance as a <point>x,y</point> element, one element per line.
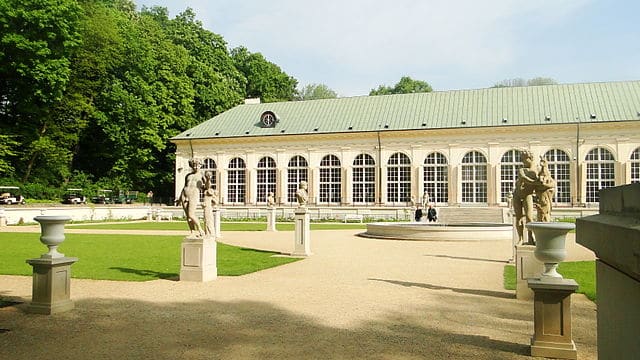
<point>550,244</point>
<point>52,233</point>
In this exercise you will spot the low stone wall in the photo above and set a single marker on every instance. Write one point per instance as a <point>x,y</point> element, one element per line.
<point>13,214</point>
<point>79,213</point>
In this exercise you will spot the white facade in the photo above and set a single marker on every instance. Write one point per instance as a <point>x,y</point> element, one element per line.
<point>592,156</point>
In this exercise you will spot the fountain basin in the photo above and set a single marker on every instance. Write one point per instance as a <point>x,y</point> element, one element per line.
<point>439,232</point>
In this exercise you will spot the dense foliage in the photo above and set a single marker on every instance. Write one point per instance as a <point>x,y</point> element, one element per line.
<point>406,85</point>
<point>517,82</point>
<point>315,92</point>
<point>91,91</point>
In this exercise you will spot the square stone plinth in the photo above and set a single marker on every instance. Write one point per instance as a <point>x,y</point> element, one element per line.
<point>302,246</point>
<point>527,267</point>
<point>552,318</point>
<point>51,285</point>
<point>198,259</point>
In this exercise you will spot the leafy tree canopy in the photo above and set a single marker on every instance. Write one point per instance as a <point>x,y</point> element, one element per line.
<point>516,82</point>
<point>406,85</point>
<point>316,91</point>
<point>92,90</point>
<point>264,79</point>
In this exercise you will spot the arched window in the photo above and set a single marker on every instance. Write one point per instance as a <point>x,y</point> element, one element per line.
<point>297,170</point>
<point>436,177</point>
<point>330,180</point>
<point>398,178</point>
<point>510,163</point>
<point>559,167</point>
<point>266,181</point>
<point>474,178</point>
<point>635,166</point>
<point>600,172</point>
<point>209,165</point>
<point>236,176</point>
<point>364,179</point>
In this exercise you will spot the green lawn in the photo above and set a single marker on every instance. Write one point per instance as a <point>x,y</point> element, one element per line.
<point>225,226</point>
<point>127,257</point>
<point>583,272</point>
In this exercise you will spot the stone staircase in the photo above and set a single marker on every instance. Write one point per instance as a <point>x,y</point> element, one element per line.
<point>457,215</point>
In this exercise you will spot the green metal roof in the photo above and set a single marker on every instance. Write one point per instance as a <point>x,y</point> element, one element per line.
<point>532,105</point>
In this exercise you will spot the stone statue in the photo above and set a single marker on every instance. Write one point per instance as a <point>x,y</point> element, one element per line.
<point>530,181</point>
<point>302,194</point>
<point>210,196</point>
<point>523,194</point>
<point>425,200</point>
<point>214,198</point>
<point>271,201</point>
<point>545,191</point>
<point>190,196</point>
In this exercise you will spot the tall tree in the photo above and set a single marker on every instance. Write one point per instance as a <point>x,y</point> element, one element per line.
<point>316,91</point>
<point>218,85</point>
<point>264,79</point>
<point>406,85</point>
<point>7,151</point>
<point>37,39</point>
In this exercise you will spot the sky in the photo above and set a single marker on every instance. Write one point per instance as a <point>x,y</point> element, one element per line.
<point>353,46</point>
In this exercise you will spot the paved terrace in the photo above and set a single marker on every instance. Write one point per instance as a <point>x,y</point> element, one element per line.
<point>354,298</point>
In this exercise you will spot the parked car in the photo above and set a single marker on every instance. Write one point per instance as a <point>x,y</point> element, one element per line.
<point>74,196</point>
<point>103,197</point>
<point>11,195</point>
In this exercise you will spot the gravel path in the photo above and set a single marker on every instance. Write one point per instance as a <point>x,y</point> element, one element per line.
<point>353,298</point>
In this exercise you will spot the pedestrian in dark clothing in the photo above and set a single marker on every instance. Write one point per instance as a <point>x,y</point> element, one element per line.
<point>418,214</point>
<point>432,214</point>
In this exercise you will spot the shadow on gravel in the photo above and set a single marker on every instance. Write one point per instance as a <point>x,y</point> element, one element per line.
<point>469,258</point>
<point>498,294</point>
<point>145,273</point>
<point>124,329</point>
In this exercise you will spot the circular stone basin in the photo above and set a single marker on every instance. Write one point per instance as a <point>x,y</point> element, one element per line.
<point>439,231</point>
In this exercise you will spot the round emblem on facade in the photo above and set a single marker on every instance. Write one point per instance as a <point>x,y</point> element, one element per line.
<point>268,119</point>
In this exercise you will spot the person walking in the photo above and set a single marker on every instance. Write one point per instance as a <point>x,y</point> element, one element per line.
<point>432,214</point>
<point>418,214</point>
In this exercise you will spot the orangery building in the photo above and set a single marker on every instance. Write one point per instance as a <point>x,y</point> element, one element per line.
<point>460,147</point>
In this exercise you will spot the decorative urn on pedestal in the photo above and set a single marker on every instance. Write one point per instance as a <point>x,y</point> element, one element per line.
<point>550,244</point>
<point>51,271</point>
<point>52,233</point>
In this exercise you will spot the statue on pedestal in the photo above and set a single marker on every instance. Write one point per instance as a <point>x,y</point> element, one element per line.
<point>190,196</point>
<point>301,195</point>
<point>271,201</point>
<point>532,180</point>
<point>210,199</point>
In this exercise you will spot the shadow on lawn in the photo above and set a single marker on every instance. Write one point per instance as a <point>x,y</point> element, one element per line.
<point>148,273</point>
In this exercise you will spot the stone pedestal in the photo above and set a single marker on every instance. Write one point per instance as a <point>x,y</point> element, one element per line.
<point>271,219</point>
<point>51,285</point>
<point>198,259</point>
<point>216,222</point>
<point>552,318</point>
<point>303,238</point>
<point>614,236</point>
<point>527,267</point>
